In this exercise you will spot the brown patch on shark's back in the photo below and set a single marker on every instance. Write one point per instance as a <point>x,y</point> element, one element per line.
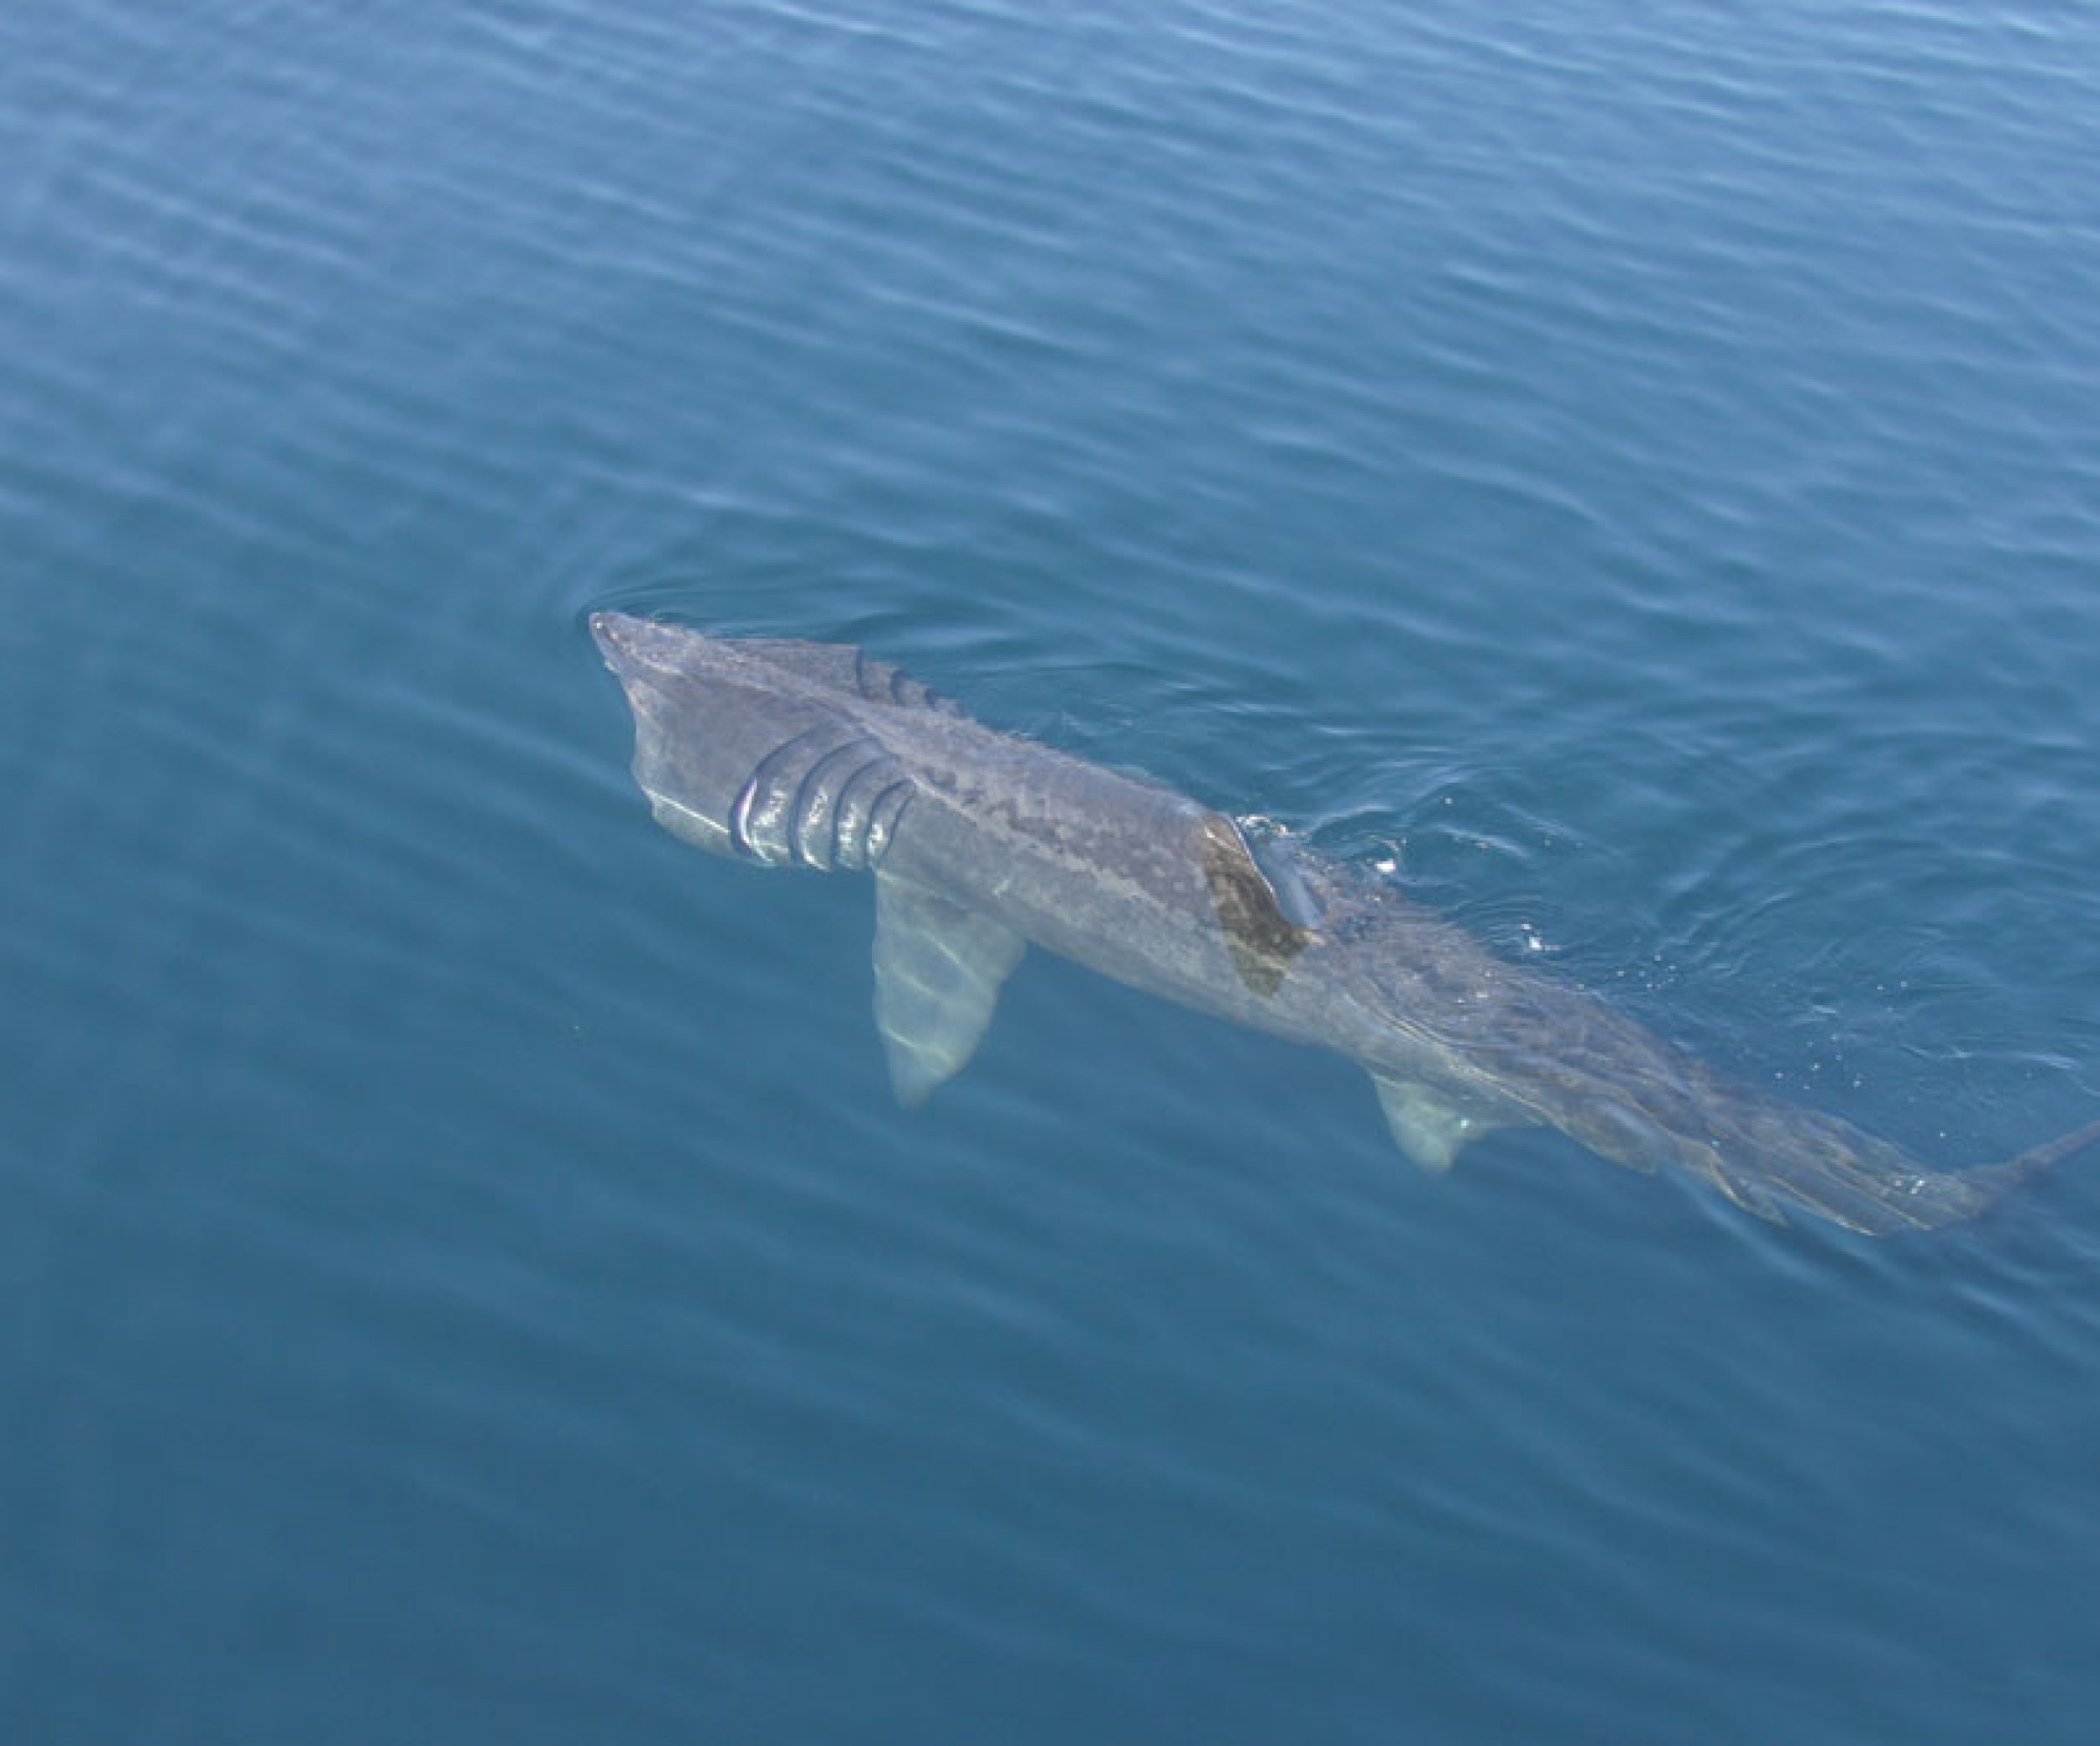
<point>1262,938</point>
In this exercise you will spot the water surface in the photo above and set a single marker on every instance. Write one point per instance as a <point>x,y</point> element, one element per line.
<point>462,1275</point>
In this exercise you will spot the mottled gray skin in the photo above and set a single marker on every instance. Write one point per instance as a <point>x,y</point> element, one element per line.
<point>791,754</point>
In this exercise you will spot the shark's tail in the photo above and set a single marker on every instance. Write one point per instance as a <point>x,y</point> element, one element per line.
<point>1992,1184</point>
<point>1867,1185</point>
<point>2049,1153</point>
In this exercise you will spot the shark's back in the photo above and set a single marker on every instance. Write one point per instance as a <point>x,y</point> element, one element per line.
<point>790,752</point>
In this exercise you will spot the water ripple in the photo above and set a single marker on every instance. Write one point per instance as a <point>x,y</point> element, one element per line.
<point>1632,474</point>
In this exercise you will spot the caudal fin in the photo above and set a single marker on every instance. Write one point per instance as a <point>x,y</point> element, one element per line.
<point>1867,1185</point>
<point>2049,1153</point>
<point>1989,1184</point>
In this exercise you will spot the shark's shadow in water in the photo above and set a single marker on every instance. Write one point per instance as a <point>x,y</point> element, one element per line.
<point>804,755</point>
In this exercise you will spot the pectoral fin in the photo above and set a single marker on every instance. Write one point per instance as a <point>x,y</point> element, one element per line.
<point>939,967</point>
<point>1430,1129</point>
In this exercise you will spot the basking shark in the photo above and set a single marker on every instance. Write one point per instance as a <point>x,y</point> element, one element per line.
<point>805,754</point>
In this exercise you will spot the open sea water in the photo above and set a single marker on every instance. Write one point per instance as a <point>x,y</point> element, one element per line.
<point>1632,469</point>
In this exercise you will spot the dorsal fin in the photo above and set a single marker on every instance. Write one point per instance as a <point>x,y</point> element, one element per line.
<point>1263,939</point>
<point>841,666</point>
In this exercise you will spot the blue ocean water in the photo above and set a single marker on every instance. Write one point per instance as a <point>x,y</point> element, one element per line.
<point>1635,469</point>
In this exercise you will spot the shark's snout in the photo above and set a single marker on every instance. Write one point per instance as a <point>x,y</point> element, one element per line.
<point>613,633</point>
<point>633,645</point>
<point>640,650</point>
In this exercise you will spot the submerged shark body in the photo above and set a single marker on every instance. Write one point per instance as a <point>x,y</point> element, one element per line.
<point>787,753</point>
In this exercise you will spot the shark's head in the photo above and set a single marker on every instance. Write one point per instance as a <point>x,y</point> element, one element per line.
<point>754,750</point>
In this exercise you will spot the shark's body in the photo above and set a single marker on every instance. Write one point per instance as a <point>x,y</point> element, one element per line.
<point>809,754</point>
